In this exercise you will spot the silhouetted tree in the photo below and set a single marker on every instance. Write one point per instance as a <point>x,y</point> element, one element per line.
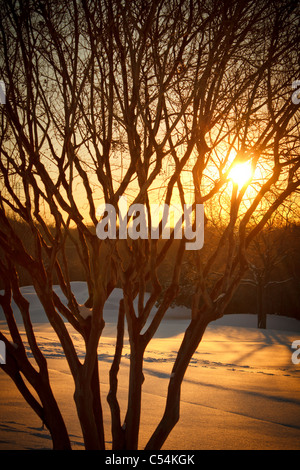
<point>102,98</point>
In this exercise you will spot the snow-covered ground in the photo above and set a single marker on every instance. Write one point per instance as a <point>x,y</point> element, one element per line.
<point>241,391</point>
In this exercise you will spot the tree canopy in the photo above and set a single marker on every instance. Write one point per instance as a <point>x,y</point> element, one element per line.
<point>159,101</point>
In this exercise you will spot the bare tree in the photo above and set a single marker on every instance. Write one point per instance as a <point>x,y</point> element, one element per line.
<point>102,98</point>
<point>270,251</point>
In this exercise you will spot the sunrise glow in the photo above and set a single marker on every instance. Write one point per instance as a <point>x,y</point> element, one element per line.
<point>241,173</point>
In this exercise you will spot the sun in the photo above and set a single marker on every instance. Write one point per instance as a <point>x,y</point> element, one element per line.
<point>241,173</point>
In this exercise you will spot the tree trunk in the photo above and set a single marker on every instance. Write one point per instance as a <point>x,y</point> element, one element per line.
<point>118,434</point>
<point>191,340</point>
<point>136,379</point>
<point>54,420</point>
<point>97,407</point>
<point>88,403</point>
<point>261,312</point>
<point>47,410</point>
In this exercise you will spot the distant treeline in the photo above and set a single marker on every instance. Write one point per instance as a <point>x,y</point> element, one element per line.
<point>276,255</point>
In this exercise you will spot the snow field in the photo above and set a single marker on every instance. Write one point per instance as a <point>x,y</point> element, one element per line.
<point>241,390</point>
